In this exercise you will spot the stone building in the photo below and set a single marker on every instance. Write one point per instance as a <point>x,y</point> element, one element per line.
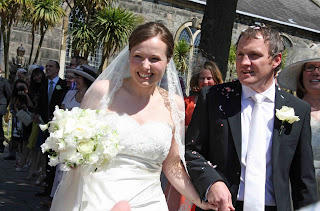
<point>298,21</point>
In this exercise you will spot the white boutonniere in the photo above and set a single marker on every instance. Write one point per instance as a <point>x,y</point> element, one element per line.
<point>286,115</point>
<point>58,87</point>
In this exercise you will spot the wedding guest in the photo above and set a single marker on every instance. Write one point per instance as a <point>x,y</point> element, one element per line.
<point>240,152</point>
<point>21,74</point>
<point>70,79</point>
<point>50,96</point>
<point>84,77</point>
<point>20,100</point>
<point>37,83</point>
<point>302,74</point>
<point>73,62</point>
<point>5,92</point>
<point>24,102</point>
<point>207,74</point>
<point>32,67</point>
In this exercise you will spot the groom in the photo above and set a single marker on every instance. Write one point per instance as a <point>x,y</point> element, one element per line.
<point>239,154</point>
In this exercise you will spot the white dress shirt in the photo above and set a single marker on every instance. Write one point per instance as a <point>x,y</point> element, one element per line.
<point>268,106</point>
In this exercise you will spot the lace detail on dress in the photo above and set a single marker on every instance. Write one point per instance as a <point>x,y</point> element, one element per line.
<point>150,141</point>
<point>315,129</point>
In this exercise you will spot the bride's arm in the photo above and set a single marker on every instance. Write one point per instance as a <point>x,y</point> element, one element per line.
<point>177,176</point>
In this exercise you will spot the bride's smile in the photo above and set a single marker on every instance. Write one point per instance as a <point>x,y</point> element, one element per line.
<point>148,61</point>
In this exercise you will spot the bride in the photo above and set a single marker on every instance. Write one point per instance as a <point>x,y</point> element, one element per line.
<point>149,118</point>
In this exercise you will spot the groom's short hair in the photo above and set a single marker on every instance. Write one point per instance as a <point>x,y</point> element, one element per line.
<point>270,36</point>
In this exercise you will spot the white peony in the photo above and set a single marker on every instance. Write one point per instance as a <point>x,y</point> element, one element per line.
<point>286,114</point>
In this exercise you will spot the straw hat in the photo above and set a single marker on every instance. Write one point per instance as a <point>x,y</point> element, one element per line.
<point>85,71</point>
<point>297,58</point>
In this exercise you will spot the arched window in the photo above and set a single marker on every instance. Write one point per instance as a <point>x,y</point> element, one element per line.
<point>190,32</point>
<point>93,59</point>
<point>287,41</point>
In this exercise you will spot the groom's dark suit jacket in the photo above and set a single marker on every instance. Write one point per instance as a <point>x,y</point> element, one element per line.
<point>214,135</point>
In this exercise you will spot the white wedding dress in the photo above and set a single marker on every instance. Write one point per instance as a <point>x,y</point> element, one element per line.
<point>133,176</point>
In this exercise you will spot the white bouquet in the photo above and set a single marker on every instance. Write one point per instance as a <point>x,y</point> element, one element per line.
<point>80,137</point>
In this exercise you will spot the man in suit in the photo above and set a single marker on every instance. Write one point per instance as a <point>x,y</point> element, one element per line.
<point>220,140</point>
<point>51,95</point>
<point>5,92</point>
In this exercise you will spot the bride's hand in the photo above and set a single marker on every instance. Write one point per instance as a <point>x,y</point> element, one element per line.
<point>206,206</point>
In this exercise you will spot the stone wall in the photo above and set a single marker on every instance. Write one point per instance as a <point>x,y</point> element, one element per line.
<point>170,13</point>
<point>50,46</point>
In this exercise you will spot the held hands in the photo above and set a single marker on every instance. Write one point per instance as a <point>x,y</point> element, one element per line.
<point>220,196</point>
<point>206,206</point>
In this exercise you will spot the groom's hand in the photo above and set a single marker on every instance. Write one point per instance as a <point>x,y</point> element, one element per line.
<point>220,196</point>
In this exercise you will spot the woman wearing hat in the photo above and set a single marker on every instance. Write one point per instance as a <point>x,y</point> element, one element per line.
<point>302,74</point>
<point>84,77</point>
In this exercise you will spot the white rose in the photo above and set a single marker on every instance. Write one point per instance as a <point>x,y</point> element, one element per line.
<point>286,114</point>
<point>86,147</point>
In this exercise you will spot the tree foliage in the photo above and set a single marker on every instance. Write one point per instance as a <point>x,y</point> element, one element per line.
<point>180,55</point>
<point>83,39</point>
<point>10,13</point>
<point>113,27</point>
<point>46,14</point>
<point>108,28</point>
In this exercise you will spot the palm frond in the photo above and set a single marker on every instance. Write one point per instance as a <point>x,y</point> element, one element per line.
<point>113,26</point>
<point>180,54</point>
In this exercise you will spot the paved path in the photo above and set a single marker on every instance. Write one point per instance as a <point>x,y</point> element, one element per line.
<point>17,193</point>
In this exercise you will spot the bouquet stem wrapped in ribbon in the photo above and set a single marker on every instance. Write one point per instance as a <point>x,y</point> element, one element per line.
<point>81,137</point>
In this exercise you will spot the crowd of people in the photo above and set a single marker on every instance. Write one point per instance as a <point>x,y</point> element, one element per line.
<point>227,146</point>
<point>31,101</point>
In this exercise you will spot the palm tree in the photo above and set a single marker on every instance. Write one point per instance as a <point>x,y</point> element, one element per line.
<point>46,14</point>
<point>180,54</point>
<point>83,39</point>
<point>113,26</point>
<point>26,19</point>
<point>10,13</point>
